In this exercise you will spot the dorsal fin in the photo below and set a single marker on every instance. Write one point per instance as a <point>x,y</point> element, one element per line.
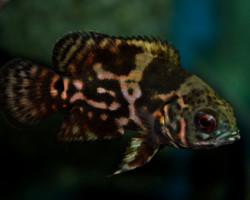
<point>77,51</point>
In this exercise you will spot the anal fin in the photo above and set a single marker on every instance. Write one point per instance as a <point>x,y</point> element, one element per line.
<point>73,127</point>
<point>81,125</point>
<point>139,152</point>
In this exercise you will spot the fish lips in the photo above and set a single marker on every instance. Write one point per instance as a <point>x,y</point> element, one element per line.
<point>228,138</point>
<point>225,138</point>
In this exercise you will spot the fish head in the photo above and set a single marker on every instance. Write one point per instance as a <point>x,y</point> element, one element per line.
<point>198,117</point>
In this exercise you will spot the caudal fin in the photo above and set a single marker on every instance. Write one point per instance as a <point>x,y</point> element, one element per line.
<point>27,92</point>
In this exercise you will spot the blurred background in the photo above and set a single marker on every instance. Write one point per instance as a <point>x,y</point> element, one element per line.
<point>213,39</point>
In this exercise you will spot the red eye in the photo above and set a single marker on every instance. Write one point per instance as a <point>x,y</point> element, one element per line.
<point>205,121</point>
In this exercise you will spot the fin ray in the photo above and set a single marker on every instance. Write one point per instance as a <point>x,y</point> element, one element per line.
<point>76,52</point>
<point>137,154</point>
<point>77,127</point>
<point>25,92</point>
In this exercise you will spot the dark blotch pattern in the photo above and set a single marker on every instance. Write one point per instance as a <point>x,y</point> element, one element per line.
<point>59,85</point>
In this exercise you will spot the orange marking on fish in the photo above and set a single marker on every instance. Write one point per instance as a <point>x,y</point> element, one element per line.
<point>79,55</point>
<point>34,112</point>
<point>136,91</point>
<point>90,114</point>
<point>162,120</point>
<point>101,74</point>
<point>134,75</point>
<point>78,84</point>
<point>157,113</point>
<point>33,71</point>
<point>43,108</point>
<point>53,91</point>
<point>81,109</point>
<point>64,95</point>
<point>111,93</point>
<point>131,100</point>
<point>167,121</point>
<point>53,106</point>
<point>90,58</point>
<point>114,106</point>
<point>79,96</point>
<point>43,73</point>
<point>101,90</point>
<point>107,76</point>
<point>72,68</point>
<point>182,133</point>
<point>103,117</point>
<point>121,122</point>
<point>103,43</point>
<point>165,108</point>
<point>66,85</point>
<point>163,97</point>
<point>96,104</point>
<point>76,96</point>
<point>181,102</point>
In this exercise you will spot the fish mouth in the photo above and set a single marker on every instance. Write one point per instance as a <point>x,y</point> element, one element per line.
<point>228,137</point>
<point>225,138</point>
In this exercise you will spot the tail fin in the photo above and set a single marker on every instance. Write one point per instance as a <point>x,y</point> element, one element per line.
<point>27,92</point>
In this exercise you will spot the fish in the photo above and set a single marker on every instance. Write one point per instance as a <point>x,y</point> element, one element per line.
<point>110,84</point>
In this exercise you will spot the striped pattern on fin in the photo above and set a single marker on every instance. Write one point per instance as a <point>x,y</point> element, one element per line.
<point>76,52</point>
<point>25,96</point>
<point>81,125</point>
<point>137,154</point>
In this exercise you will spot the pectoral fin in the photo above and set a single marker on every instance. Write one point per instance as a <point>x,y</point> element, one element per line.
<point>139,152</point>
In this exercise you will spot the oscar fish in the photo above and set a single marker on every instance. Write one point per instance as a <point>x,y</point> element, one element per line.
<point>111,84</point>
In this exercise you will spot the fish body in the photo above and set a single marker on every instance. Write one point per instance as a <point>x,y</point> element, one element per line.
<point>111,84</point>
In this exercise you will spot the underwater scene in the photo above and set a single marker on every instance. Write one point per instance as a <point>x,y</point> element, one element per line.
<point>124,99</point>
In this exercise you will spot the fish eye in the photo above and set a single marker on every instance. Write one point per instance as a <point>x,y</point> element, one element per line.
<point>205,121</point>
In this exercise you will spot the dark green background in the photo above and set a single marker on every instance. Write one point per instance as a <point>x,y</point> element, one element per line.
<point>213,39</point>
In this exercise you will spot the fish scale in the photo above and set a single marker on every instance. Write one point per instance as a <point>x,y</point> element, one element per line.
<point>112,84</point>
